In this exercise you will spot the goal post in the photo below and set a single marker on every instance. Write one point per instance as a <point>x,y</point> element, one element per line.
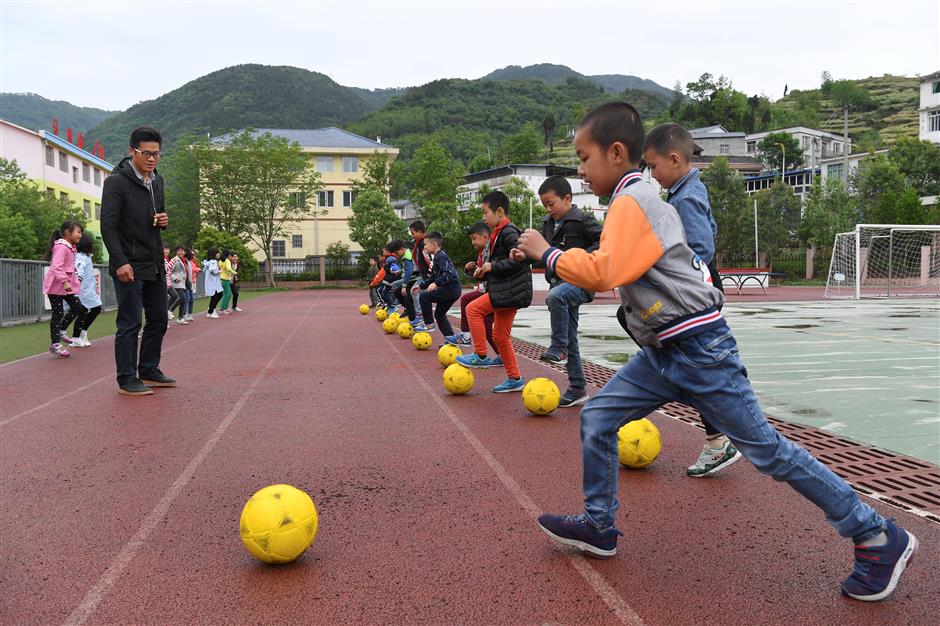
<point>885,261</point>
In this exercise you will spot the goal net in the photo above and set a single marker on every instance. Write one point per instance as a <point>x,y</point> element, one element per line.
<point>885,261</point>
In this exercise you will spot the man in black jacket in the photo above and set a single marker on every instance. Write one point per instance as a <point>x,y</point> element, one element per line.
<point>132,216</point>
<point>566,227</point>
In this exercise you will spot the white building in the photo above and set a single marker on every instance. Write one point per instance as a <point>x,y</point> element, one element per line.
<point>717,141</point>
<point>834,167</point>
<point>533,175</point>
<point>930,107</point>
<point>816,144</point>
<point>798,180</point>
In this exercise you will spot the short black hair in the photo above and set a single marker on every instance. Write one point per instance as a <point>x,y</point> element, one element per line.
<point>395,245</point>
<point>496,200</point>
<point>478,228</point>
<point>558,184</point>
<point>670,137</point>
<point>211,252</point>
<point>614,122</point>
<point>145,133</point>
<point>86,245</point>
<point>418,225</point>
<point>435,237</point>
<point>181,247</point>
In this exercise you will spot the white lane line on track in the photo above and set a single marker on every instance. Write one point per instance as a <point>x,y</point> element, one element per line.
<point>580,563</point>
<point>129,550</point>
<point>102,379</point>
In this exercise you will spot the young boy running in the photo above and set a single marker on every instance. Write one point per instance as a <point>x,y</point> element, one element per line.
<point>668,154</point>
<point>508,288</point>
<point>442,287</point>
<point>566,227</point>
<point>689,355</point>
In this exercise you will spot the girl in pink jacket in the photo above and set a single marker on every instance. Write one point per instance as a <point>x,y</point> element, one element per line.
<point>61,284</point>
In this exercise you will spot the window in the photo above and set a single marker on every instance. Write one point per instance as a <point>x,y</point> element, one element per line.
<point>933,121</point>
<point>834,171</point>
<point>86,209</point>
<point>97,177</point>
<point>296,241</point>
<point>86,172</point>
<point>50,191</point>
<point>63,161</point>
<point>751,147</point>
<point>74,174</point>
<point>63,197</point>
<point>348,198</point>
<point>278,248</point>
<point>324,164</point>
<point>724,148</point>
<point>297,200</point>
<point>50,156</point>
<point>936,87</point>
<point>350,164</point>
<point>97,211</point>
<point>325,198</point>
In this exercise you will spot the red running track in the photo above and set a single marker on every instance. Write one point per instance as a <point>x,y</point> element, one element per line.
<point>119,510</point>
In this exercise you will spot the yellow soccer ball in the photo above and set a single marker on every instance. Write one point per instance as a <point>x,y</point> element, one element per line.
<point>394,316</point>
<point>541,396</point>
<point>278,523</point>
<point>448,354</point>
<point>421,341</point>
<point>364,309</point>
<point>405,329</point>
<point>390,325</point>
<point>458,379</point>
<point>639,443</point>
<point>381,315</point>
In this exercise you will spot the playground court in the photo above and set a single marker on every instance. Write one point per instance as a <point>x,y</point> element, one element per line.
<point>121,510</point>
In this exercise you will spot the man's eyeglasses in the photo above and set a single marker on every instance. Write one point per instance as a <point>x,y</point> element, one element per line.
<point>147,154</point>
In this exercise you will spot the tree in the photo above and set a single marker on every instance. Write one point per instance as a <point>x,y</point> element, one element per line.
<point>337,251</point>
<point>180,171</point>
<point>729,203</point>
<point>521,200</point>
<point>919,163</point>
<point>523,146</point>
<point>548,127</point>
<point>431,177</point>
<point>374,222</point>
<point>878,183</point>
<point>209,237</point>
<point>773,157</point>
<point>829,209</point>
<point>219,170</point>
<point>24,206</point>
<point>256,184</point>
<point>778,218</point>
<point>376,174</point>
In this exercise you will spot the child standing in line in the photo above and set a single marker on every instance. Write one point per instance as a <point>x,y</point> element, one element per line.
<point>668,154</point>
<point>508,289</point>
<point>172,298</point>
<point>442,288</point>
<point>393,272</point>
<point>422,270</point>
<point>235,283</point>
<point>61,284</point>
<point>213,284</point>
<point>226,273</point>
<point>371,273</point>
<point>88,294</point>
<point>689,355</point>
<point>178,274</point>
<point>194,270</point>
<point>480,240</point>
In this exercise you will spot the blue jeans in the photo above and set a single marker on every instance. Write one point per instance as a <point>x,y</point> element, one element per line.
<point>444,298</point>
<point>190,298</point>
<point>704,371</point>
<point>563,301</point>
<point>150,297</point>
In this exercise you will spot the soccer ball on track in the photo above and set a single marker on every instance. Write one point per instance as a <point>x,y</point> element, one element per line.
<point>364,309</point>
<point>278,523</point>
<point>638,443</point>
<point>422,340</point>
<point>381,315</point>
<point>541,396</point>
<point>405,329</point>
<point>448,354</point>
<point>390,325</point>
<point>458,379</point>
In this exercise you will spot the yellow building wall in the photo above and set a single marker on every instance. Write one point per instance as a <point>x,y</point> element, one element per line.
<point>76,199</point>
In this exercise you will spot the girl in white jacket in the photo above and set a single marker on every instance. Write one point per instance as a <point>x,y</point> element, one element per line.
<point>88,294</point>
<point>213,281</point>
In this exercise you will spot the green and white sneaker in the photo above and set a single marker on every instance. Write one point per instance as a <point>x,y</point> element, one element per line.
<point>712,460</point>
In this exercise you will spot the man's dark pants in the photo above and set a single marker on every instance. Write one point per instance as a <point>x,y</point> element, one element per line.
<point>149,296</point>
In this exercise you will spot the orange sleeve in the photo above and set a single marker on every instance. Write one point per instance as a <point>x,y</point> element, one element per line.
<point>628,249</point>
<point>378,278</point>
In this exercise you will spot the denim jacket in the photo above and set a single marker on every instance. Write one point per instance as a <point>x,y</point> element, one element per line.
<point>690,199</point>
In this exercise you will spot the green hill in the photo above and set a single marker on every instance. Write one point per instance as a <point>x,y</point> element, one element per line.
<point>559,75</point>
<point>238,97</point>
<point>893,113</point>
<point>35,113</point>
<point>471,117</point>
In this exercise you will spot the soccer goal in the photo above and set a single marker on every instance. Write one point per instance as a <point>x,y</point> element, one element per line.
<point>885,261</point>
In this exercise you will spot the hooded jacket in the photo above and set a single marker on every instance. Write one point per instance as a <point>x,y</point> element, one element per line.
<point>127,210</point>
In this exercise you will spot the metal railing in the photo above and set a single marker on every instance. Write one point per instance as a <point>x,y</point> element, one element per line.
<point>310,269</point>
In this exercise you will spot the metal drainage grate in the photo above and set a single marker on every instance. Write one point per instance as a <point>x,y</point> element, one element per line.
<point>906,483</point>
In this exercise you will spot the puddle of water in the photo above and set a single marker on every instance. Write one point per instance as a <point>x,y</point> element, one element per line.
<point>798,326</point>
<point>617,358</point>
<point>890,329</point>
<point>607,337</point>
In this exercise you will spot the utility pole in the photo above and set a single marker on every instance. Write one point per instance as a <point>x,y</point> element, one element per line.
<point>845,147</point>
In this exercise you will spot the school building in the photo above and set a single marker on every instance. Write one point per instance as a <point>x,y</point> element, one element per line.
<point>59,168</point>
<point>336,154</point>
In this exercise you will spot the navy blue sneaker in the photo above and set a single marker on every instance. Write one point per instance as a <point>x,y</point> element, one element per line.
<point>510,384</point>
<point>577,532</point>
<point>878,568</point>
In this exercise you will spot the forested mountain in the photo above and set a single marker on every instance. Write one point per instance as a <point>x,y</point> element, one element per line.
<point>559,75</point>
<point>35,113</point>
<point>238,97</point>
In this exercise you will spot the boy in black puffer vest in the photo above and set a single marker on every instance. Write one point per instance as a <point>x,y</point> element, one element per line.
<point>509,288</point>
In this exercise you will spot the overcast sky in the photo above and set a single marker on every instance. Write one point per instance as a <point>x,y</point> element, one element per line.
<point>112,55</point>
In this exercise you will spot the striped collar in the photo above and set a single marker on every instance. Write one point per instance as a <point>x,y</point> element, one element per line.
<point>628,179</point>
